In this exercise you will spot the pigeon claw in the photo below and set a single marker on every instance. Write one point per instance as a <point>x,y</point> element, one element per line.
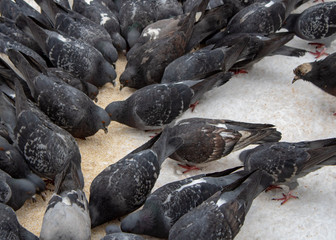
<point>285,198</point>
<point>188,168</point>
<point>319,54</point>
<point>193,106</point>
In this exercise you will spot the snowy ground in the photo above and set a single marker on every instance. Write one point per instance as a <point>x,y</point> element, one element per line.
<point>300,111</point>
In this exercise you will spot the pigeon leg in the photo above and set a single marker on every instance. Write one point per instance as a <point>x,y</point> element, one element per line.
<point>188,168</point>
<point>192,106</point>
<point>285,197</point>
<point>318,54</point>
<point>317,1</point>
<point>239,71</point>
<point>317,45</point>
<point>271,187</point>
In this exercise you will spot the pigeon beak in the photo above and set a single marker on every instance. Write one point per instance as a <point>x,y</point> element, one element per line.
<point>295,79</point>
<point>121,87</point>
<point>95,99</point>
<point>105,130</point>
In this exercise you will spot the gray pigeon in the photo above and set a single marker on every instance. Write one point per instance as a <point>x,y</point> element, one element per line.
<point>67,217</point>
<point>168,203</point>
<point>206,140</point>
<point>124,186</point>
<point>113,232</point>
<point>282,163</point>
<point>48,149</point>
<point>10,228</point>
<point>316,23</point>
<point>14,192</point>
<point>156,105</point>
<point>75,25</point>
<point>73,55</point>
<point>220,216</point>
<point>203,62</point>
<point>65,105</point>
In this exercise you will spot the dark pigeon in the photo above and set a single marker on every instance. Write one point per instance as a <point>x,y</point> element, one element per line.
<point>8,28</point>
<point>146,64</point>
<point>113,232</point>
<point>263,17</point>
<point>221,216</point>
<point>12,10</point>
<point>168,203</point>
<point>260,46</point>
<point>203,62</point>
<point>89,89</point>
<point>124,186</point>
<point>102,15</point>
<point>320,73</point>
<point>66,106</point>
<point>72,24</point>
<point>13,163</point>
<point>10,227</point>
<point>7,43</point>
<point>75,56</point>
<point>206,140</point>
<point>156,105</point>
<point>48,149</point>
<point>283,163</point>
<point>67,214</point>
<point>316,23</point>
<point>211,22</point>
<point>136,15</point>
<point>14,192</point>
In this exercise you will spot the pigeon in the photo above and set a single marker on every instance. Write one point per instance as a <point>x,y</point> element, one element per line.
<point>13,163</point>
<point>113,232</point>
<point>157,105</point>
<point>147,63</point>
<point>320,73</point>
<point>212,21</point>
<point>73,55</point>
<point>8,28</point>
<point>66,106</point>
<point>259,46</point>
<point>67,214</point>
<point>222,215</point>
<point>7,43</point>
<point>136,15</point>
<point>124,186</point>
<point>7,116</point>
<point>72,24</point>
<point>203,62</point>
<point>102,15</point>
<point>316,23</point>
<point>10,227</point>
<point>282,163</point>
<point>206,140</point>
<point>48,149</point>
<point>14,192</point>
<point>12,10</point>
<point>263,17</point>
<point>90,90</point>
<point>168,203</point>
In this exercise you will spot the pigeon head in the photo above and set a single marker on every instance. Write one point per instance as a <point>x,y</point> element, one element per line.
<point>115,110</point>
<point>22,190</point>
<point>103,119</point>
<point>92,91</point>
<point>140,222</point>
<point>119,42</point>
<point>303,71</point>
<point>112,229</point>
<point>127,78</point>
<point>105,73</point>
<point>108,50</point>
<point>133,35</point>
